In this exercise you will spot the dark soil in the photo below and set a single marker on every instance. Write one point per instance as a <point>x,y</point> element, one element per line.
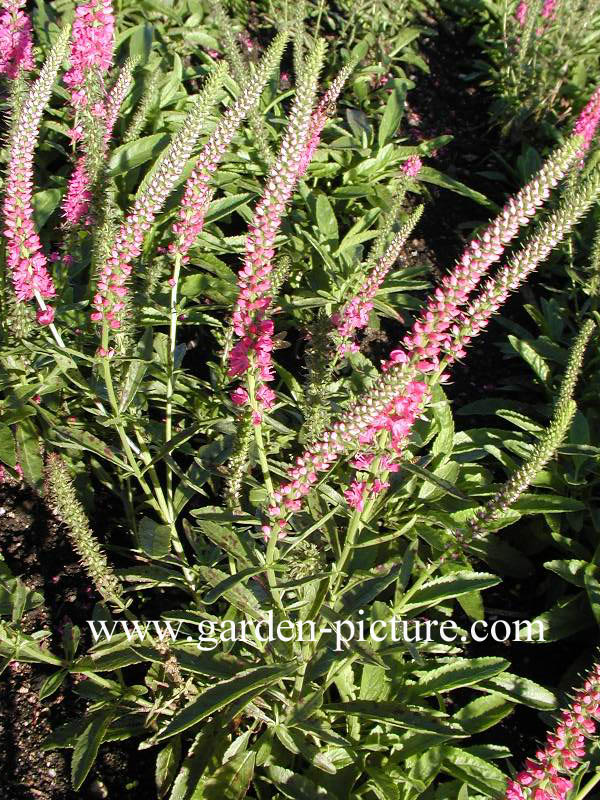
<point>36,549</point>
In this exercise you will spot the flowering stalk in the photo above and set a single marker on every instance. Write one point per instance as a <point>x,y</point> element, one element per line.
<point>78,198</point>
<point>111,288</point>
<point>25,258</point>
<point>196,196</point>
<point>252,352</point>
<point>68,508</point>
<point>16,39</point>
<point>239,71</point>
<point>360,418</point>
<point>92,47</point>
<point>144,107</point>
<point>429,331</point>
<point>321,114</point>
<point>355,314</point>
<point>547,776</point>
<point>548,443</point>
<point>196,200</point>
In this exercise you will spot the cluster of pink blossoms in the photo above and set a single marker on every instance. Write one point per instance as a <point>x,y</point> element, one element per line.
<point>397,418</point>
<point>78,197</point>
<point>91,52</point>
<point>16,43</point>
<point>521,13</point>
<point>92,46</point>
<point>412,166</point>
<point>355,314</point>
<point>588,120</point>
<point>549,9</point>
<point>543,777</point>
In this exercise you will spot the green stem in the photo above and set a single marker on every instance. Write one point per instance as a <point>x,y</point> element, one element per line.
<point>588,787</point>
<point>171,376</point>
<point>264,464</point>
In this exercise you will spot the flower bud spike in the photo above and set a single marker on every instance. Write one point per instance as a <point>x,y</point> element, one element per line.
<point>196,196</point>
<point>239,70</point>
<point>113,274</point>
<point>62,495</point>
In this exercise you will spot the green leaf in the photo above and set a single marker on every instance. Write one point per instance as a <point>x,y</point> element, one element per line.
<point>460,672</point>
<point>238,595</point>
<point>570,570</point>
<point>232,543</point>
<point>479,774</point>
<point>592,587</point>
<point>44,203</point>
<point>229,582</point>
<point>226,205</point>
<point>296,787</point>
<point>395,714</point>
<point>546,504</point>
<point>131,155</point>
<point>483,713</point>
<point>78,439</point>
<point>28,449</point>
<point>430,477</point>
<point>563,619</point>
<point>167,763</point>
<point>52,683</point>
<point>231,781</point>
<point>136,370</point>
<point>448,586</point>
<point>249,683</point>
<point>521,690</point>
<point>154,538</point>
<point>326,218</point>
<point>430,175</point>
<point>88,744</point>
<point>533,358</point>
<point>394,109</point>
<point>8,454</point>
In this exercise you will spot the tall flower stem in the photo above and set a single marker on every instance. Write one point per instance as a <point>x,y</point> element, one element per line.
<point>171,376</point>
<point>110,389</point>
<point>271,554</point>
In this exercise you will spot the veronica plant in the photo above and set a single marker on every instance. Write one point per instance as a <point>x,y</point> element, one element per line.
<point>230,498</point>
